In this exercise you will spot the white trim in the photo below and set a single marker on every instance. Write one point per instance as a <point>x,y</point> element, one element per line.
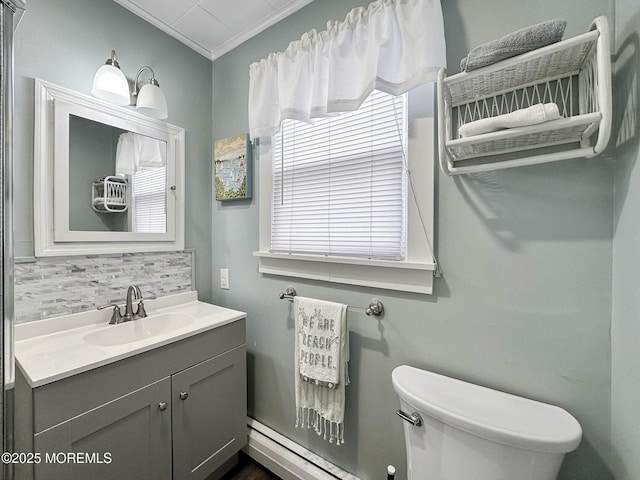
<point>227,46</point>
<point>287,459</point>
<point>351,261</point>
<point>403,276</point>
<point>267,22</point>
<point>413,275</point>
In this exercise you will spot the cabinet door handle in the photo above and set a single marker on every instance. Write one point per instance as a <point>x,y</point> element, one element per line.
<point>184,395</point>
<point>162,406</point>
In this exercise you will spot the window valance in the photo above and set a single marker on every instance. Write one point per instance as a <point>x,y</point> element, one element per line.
<point>392,46</point>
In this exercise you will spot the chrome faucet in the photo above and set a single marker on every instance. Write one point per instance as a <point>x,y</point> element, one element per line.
<point>133,293</point>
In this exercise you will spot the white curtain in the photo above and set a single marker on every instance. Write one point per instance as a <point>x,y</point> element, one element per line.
<point>392,46</point>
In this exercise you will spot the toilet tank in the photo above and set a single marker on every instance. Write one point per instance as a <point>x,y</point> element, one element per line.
<point>471,432</point>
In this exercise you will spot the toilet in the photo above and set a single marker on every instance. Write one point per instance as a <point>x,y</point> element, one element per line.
<point>456,430</point>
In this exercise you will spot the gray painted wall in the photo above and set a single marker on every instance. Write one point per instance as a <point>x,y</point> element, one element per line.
<point>625,327</point>
<point>64,42</point>
<point>525,301</point>
<point>92,154</point>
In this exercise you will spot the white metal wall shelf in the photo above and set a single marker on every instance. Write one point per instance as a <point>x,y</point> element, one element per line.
<point>109,194</point>
<point>575,74</point>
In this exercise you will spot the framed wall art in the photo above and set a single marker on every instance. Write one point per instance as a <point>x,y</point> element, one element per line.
<point>232,167</point>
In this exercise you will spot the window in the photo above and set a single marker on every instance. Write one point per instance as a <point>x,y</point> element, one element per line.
<point>350,198</point>
<point>148,205</point>
<point>339,185</point>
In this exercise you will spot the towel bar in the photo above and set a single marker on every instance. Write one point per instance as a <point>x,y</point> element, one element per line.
<point>375,308</point>
<point>289,293</point>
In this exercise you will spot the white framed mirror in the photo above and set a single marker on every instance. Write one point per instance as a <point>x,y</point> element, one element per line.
<point>106,178</point>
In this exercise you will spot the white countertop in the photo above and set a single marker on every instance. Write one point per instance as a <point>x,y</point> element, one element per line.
<point>56,348</point>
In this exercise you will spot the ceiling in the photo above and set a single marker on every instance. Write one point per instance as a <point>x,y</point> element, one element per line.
<point>213,27</point>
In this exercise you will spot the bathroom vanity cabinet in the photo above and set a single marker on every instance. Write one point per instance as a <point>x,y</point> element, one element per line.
<point>174,412</point>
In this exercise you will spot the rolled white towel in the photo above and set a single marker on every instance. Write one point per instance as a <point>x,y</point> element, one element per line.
<point>538,113</point>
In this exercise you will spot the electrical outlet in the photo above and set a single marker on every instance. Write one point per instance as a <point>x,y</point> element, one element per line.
<point>224,278</point>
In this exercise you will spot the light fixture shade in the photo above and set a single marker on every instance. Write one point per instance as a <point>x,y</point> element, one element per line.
<point>151,101</point>
<point>111,85</point>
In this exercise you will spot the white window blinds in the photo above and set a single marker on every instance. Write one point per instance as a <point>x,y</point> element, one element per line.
<point>148,198</point>
<point>339,186</point>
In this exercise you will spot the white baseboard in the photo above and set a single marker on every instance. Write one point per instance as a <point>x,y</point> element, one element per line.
<point>287,459</point>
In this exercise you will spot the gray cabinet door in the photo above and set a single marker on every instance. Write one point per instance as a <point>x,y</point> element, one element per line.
<point>209,402</point>
<point>127,438</point>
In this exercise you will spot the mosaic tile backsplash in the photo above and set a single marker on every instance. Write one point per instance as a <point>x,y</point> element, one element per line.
<point>50,287</point>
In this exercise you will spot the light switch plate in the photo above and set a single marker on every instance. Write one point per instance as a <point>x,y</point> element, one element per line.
<point>224,278</point>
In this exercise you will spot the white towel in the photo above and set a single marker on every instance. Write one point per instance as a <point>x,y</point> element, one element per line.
<point>532,115</point>
<point>135,152</point>
<point>321,357</point>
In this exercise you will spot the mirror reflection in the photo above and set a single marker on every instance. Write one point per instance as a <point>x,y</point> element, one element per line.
<point>117,179</point>
<point>106,179</point>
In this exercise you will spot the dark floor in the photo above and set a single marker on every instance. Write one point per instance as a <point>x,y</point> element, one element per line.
<point>247,469</point>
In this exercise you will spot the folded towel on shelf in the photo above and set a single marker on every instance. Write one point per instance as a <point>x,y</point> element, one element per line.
<point>514,43</point>
<point>321,357</point>
<point>538,113</point>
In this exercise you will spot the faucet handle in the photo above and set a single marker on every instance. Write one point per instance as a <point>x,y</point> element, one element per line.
<point>141,313</point>
<point>102,307</point>
<point>116,317</point>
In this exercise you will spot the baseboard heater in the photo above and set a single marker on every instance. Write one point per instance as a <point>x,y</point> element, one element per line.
<point>287,459</point>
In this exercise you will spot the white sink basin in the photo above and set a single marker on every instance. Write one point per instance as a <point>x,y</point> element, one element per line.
<point>140,329</point>
<point>56,348</point>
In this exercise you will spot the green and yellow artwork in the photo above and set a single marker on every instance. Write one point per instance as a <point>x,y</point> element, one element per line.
<point>232,162</point>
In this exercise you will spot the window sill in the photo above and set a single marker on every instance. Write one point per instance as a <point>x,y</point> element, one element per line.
<point>416,277</point>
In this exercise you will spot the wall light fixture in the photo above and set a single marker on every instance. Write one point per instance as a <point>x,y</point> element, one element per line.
<point>110,84</point>
<point>149,98</point>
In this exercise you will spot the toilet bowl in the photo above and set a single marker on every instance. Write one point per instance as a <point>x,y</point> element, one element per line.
<point>456,430</point>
